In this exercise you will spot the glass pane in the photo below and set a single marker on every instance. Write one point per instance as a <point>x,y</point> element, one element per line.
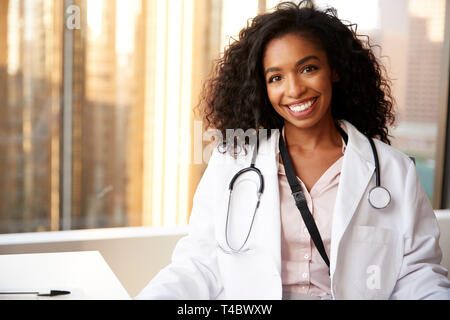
<point>97,99</point>
<point>411,35</point>
<point>107,116</point>
<point>30,83</point>
<point>131,111</point>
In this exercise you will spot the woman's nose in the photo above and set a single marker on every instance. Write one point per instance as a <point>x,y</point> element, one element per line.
<point>295,87</point>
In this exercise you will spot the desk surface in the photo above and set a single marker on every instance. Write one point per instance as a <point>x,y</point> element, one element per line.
<point>85,274</point>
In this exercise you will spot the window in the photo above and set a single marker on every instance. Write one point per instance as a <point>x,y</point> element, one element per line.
<point>30,94</point>
<point>97,127</point>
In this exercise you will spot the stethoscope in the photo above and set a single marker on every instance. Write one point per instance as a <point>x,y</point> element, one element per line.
<point>260,191</point>
<point>378,197</point>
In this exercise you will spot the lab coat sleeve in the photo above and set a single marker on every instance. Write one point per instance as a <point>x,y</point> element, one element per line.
<point>193,271</point>
<point>421,275</point>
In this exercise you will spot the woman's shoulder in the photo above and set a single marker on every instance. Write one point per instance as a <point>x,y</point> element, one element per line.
<point>390,150</point>
<point>387,154</point>
<point>392,154</point>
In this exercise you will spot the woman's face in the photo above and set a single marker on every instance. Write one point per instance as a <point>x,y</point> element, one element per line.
<point>298,80</point>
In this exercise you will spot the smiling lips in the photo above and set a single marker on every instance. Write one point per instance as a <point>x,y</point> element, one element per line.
<point>300,106</point>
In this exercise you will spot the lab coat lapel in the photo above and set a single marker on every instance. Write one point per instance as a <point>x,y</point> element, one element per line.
<point>356,173</point>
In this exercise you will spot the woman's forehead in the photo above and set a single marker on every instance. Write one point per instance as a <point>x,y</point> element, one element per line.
<point>291,47</point>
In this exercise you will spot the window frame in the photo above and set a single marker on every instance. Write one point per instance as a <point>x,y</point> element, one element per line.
<point>442,178</point>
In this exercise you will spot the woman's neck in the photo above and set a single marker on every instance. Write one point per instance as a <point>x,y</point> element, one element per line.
<point>321,136</point>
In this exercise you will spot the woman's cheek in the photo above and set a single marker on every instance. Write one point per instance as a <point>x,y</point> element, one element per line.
<point>275,95</point>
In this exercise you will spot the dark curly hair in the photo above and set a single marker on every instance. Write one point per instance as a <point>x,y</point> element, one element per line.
<point>236,97</point>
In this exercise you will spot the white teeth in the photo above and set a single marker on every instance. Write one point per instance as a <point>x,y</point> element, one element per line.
<point>302,107</point>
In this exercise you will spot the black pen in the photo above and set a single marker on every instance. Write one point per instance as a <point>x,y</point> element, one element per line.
<point>51,294</point>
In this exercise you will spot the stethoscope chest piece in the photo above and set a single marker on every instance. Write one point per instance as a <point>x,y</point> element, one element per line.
<point>379,197</point>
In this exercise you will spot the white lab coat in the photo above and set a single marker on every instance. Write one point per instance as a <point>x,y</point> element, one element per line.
<point>392,253</point>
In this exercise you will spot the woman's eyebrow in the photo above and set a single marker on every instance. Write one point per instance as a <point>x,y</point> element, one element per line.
<point>298,63</point>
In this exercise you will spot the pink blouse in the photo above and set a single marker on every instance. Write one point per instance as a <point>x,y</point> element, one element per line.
<point>303,270</point>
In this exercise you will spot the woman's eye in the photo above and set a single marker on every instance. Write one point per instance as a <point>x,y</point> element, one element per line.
<point>309,69</point>
<point>274,79</point>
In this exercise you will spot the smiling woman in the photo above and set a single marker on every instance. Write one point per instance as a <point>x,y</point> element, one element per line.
<point>299,89</point>
<point>303,71</point>
<point>356,76</point>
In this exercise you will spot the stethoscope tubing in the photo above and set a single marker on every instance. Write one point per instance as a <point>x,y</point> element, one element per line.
<point>377,164</point>
<point>386,196</point>
<point>252,168</point>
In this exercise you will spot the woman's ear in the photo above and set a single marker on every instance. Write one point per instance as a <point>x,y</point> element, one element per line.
<point>334,76</point>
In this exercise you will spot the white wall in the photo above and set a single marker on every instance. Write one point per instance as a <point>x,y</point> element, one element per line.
<point>135,255</point>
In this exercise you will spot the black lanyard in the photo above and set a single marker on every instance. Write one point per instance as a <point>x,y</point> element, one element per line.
<point>300,199</point>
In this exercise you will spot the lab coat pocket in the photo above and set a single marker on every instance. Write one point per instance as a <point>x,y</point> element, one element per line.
<point>376,255</point>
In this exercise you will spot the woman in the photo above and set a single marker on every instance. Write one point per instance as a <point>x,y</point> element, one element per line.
<point>302,71</point>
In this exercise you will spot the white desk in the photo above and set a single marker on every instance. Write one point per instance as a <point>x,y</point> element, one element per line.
<point>85,274</point>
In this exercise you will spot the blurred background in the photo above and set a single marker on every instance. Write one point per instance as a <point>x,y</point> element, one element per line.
<point>96,100</point>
